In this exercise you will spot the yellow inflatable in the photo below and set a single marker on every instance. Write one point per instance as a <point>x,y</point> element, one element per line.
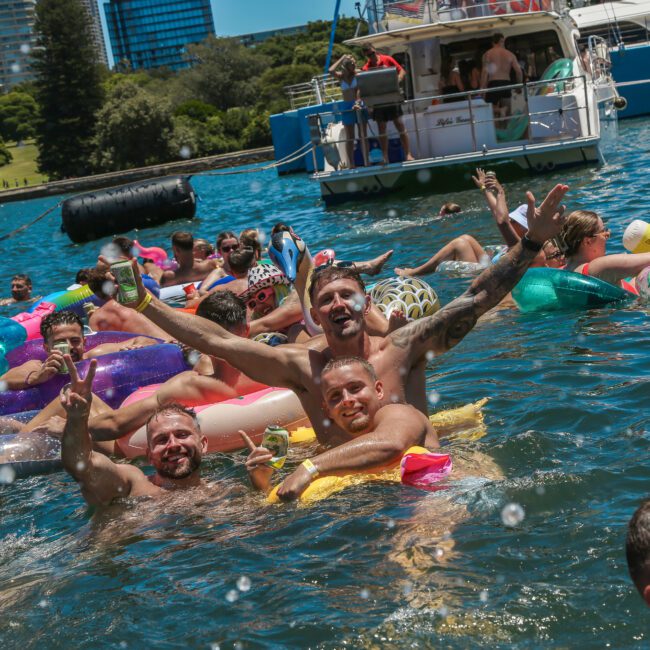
<point>464,423</point>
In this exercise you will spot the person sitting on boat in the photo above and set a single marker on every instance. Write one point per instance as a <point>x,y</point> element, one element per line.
<point>352,110</point>
<point>203,249</point>
<point>498,64</point>
<point>62,327</point>
<point>637,550</point>
<point>391,113</point>
<point>21,291</point>
<point>175,448</point>
<point>189,269</point>
<point>584,241</point>
<point>340,306</point>
<point>375,435</point>
<point>227,243</point>
<point>451,82</point>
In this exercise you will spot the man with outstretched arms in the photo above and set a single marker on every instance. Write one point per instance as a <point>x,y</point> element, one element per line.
<point>339,306</point>
<point>175,448</point>
<point>377,435</point>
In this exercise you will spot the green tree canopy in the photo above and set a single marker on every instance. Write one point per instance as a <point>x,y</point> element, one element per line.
<point>68,88</point>
<point>18,116</point>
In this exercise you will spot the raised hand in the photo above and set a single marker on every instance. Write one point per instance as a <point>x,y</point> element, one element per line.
<point>142,292</point>
<point>258,471</point>
<point>545,221</point>
<point>76,397</point>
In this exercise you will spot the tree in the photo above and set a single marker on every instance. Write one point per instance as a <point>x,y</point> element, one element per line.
<point>18,116</point>
<point>134,129</point>
<point>68,88</point>
<point>273,82</point>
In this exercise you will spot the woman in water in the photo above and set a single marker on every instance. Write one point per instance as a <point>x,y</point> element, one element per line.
<point>584,239</point>
<point>352,110</point>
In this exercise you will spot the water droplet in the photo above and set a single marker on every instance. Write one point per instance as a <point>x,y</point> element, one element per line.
<point>15,68</point>
<point>7,474</point>
<point>352,187</point>
<point>434,397</point>
<point>443,611</point>
<point>407,588</point>
<point>37,495</point>
<point>111,252</point>
<point>193,357</point>
<point>581,338</point>
<point>483,596</point>
<point>80,466</point>
<point>244,583</point>
<point>429,356</point>
<point>580,440</point>
<point>25,48</point>
<point>108,288</point>
<point>123,644</point>
<point>439,553</point>
<point>238,645</point>
<point>110,392</point>
<point>232,596</point>
<point>3,386</point>
<point>255,187</point>
<point>608,429</point>
<point>215,646</point>
<point>423,176</point>
<point>537,364</point>
<point>512,515</point>
<point>541,490</point>
<point>390,524</point>
<point>392,213</point>
<point>42,603</point>
<point>185,152</point>
<point>326,422</point>
<point>365,594</point>
<point>394,398</point>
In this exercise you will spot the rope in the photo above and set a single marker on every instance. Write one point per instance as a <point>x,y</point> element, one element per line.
<point>31,223</point>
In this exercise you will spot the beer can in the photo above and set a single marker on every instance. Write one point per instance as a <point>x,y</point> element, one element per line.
<point>276,440</point>
<point>127,289</point>
<point>64,348</point>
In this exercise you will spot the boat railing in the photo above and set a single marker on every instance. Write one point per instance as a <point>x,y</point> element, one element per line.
<point>464,123</point>
<point>320,90</point>
<point>386,15</point>
<point>599,60</point>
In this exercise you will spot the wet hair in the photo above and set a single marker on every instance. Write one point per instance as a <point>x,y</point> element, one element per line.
<point>578,225</point>
<point>172,409</point>
<point>223,308</point>
<point>96,280</point>
<point>637,546</point>
<point>204,246</point>
<point>59,318</point>
<point>497,37</point>
<point>22,276</point>
<point>250,238</point>
<point>222,236</point>
<point>342,362</point>
<point>280,227</point>
<point>450,208</point>
<point>367,47</point>
<point>242,259</point>
<point>331,273</point>
<point>82,276</point>
<point>124,244</point>
<point>183,240</point>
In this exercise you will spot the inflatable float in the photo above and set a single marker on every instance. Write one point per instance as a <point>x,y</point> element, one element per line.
<point>12,335</point>
<point>412,296</point>
<point>221,422</point>
<point>137,205</point>
<point>29,454</point>
<point>544,289</point>
<point>118,375</point>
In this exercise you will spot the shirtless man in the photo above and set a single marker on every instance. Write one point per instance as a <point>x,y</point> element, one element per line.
<point>62,327</point>
<point>376,435</point>
<point>497,65</point>
<point>175,448</point>
<point>339,306</point>
<point>189,269</point>
<point>21,290</point>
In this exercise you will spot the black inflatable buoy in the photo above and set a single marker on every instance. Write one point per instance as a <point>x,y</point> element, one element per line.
<point>136,205</point>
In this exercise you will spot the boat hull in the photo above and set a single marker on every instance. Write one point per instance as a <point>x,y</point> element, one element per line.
<point>629,65</point>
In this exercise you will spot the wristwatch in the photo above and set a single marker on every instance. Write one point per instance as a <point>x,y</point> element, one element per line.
<point>526,242</point>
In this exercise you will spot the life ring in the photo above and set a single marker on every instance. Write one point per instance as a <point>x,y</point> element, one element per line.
<point>522,6</point>
<point>412,296</point>
<point>560,69</point>
<point>544,289</point>
<point>221,422</point>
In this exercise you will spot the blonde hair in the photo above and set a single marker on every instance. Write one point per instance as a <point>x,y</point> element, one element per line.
<point>579,224</point>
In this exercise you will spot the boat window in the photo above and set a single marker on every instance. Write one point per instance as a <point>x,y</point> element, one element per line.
<point>616,33</point>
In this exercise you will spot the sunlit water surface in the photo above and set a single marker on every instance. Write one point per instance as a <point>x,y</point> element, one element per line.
<point>380,565</point>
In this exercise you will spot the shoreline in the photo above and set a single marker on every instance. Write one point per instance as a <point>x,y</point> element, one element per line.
<point>110,179</point>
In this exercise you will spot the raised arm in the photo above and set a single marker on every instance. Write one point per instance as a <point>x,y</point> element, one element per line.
<point>495,197</point>
<point>333,68</point>
<point>273,366</point>
<point>447,327</point>
<point>613,268</point>
<point>101,480</point>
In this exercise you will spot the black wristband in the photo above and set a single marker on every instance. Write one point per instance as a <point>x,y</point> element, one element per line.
<point>531,245</point>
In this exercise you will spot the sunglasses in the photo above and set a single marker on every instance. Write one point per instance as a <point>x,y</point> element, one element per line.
<point>331,262</point>
<point>227,249</point>
<point>605,232</point>
<point>260,297</point>
<point>554,256</point>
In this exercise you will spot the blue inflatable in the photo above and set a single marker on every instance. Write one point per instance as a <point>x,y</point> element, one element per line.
<point>12,334</point>
<point>543,289</point>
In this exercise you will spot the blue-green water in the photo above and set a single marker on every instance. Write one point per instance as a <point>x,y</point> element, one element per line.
<point>372,567</point>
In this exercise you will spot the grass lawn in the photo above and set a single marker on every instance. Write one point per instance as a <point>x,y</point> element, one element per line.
<point>22,166</point>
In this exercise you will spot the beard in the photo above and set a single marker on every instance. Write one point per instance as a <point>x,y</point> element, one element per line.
<point>360,424</point>
<point>181,470</point>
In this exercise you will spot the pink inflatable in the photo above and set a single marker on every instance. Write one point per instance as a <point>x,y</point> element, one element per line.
<point>153,253</point>
<point>32,321</point>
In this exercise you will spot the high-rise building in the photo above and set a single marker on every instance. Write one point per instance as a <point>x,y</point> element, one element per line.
<point>16,41</point>
<point>155,33</point>
<point>96,34</point>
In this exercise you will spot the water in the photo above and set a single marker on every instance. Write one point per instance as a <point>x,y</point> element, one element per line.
<point>533,560</point>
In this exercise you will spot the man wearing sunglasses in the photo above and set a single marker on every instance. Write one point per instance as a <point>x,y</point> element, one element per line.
<point>340,306</point>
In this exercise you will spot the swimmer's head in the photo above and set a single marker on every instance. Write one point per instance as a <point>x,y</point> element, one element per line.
<point>175,445</point>
<point>449,208</point>
<point>202,249</point>
<point>250,238</point>
<point>227,242</point>
<point>637,550</point>
<point>183,245</point>
<point>124,247</point>
<point>351,393</point>
<point>241,261</point>
<point>261,297</point>
<point>225,309</point>
<point>553,257</point>
<point>584,229</point>
<point>21,287</point>
<point>63,327</point>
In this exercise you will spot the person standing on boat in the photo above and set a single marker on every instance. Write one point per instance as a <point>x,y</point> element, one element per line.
<point>352,110</point>
<point>498,63</point>
<point>393,112</point>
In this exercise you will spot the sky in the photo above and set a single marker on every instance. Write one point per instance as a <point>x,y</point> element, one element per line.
<point>232,18</point>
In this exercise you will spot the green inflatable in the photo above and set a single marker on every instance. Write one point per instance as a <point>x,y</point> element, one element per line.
<point>543,289</point>
<point>560,69</point>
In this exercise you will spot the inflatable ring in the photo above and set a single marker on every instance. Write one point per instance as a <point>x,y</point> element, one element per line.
<point>271,338</point>
<point>544,289</point>
<point>560,69</point>
<point>414,297</point>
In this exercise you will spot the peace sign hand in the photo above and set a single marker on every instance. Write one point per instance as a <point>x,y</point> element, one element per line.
<point>77,396</point>
<point>258,471</point>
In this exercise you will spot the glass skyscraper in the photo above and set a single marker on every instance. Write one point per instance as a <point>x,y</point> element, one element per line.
<point>154,33</point>
<point>16,41</point>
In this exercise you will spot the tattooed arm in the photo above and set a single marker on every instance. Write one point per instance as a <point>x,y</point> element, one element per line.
<point>446,328</point>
